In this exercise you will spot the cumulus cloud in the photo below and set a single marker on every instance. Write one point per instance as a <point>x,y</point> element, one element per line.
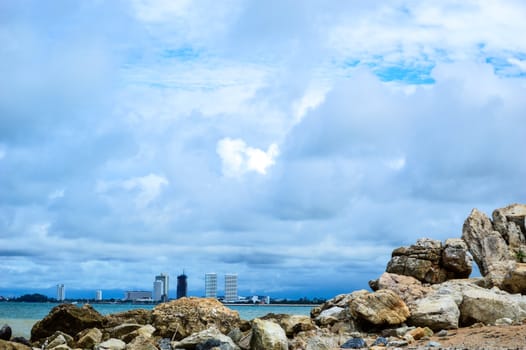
<point>238,158</point>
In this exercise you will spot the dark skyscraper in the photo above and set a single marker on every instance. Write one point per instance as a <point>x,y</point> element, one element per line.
<point>181,286</point>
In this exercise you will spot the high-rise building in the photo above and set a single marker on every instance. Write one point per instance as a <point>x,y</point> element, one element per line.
<point>230,288</point>
<point>61,292</point>
<point>182,286</point>
<point>157,290</point>
<point>211,285</point>
<point>164,279</point>
<point>98,295</point>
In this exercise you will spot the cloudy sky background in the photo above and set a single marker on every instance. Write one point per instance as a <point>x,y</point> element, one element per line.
<point>296,143</point>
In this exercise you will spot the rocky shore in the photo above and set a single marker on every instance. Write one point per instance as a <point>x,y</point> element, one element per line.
<point>424,300</point>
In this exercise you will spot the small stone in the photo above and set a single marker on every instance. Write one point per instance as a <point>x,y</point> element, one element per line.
<point>434,344</point>
<point>354,343</point>
<point>442,333</point>
<point>409,338</point>
<point>397,343</point>
<point>164,344</point>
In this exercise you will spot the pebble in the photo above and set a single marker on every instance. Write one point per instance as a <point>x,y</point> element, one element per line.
<point>442,333</point>
<point>164,344</point>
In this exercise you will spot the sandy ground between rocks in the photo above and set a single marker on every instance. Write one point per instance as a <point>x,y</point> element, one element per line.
<point>480,337</point>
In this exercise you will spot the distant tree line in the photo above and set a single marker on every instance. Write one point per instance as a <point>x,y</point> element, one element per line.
<point>33,298</point>
<point>303,300</point>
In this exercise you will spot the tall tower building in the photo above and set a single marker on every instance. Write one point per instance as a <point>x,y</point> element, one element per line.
<point>61,292</point>
<point>98,295</point>
<point>164,280</point>
<point>230,288</point>
<point>157,290</point>
<point>211,285</point>
<point>182,286</point>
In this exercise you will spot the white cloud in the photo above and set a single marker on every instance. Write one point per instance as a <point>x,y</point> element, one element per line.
<point>159,10</point>
<point>521,64</point>
<point>238,158</point>
<point>312,98</point>
<point>57,194</point>
<point>396,163</point>
<point>149,187</point>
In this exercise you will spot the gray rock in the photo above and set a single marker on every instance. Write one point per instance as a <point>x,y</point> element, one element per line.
<point>434,344</point>
<point>5,332</point>
<point>89,338</point>
<point>267,335</point>
<point>354,343</point>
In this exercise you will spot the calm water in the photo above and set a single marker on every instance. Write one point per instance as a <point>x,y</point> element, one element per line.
<point>22,316</point>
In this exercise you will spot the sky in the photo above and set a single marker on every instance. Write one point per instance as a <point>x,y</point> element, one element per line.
<point>295,143</point>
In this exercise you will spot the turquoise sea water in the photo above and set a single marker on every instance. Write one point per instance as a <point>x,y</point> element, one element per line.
<point>22,316</point>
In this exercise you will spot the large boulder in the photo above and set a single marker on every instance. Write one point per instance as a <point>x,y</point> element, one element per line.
<point>211,337</point>
<point>67,318</point>
<point>438,310</point>
<point>424,261</point>
<point>88,338</point>
<point>487,306</point>
<point>383,307</point>
<point>267,335</point>
<point>180,318</point>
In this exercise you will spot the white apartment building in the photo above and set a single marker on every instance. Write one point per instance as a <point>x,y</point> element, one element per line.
<point>61,292</point>
<point>231,288</point>
<point>211,285</point>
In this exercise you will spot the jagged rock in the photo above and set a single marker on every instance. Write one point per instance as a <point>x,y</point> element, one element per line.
<point>9,345</point>
<point>183,317</point>
<point>135,316</point>
<point>267,335</point>
<point>205,340</point>
<point>510,223</point>
<point>455,257</point>
<point>5,332</point>
<point>488,247</point>
<point>111,344</point>
<point>424,261</point>
<point>56,341</point>
<point>407,287</point>
<point>515,280</point>
<point>291,324</point>
<point>67,318</point>
<point>379,308</point>
<point>141,343</point>
<point>88,338</point>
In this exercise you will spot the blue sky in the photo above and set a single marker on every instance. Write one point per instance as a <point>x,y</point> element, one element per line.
<point>296,143</point>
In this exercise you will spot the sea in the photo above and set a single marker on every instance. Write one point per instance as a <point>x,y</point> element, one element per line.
<point>22,316</point>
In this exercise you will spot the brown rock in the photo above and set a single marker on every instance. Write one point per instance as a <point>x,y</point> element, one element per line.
<point>137,316</point>
<point>407,287</point>
<point>456,258</point>
<point>182,317</point>
<point>291,324</point>
<point>381,307</point>
<point>67,318</point>
<point>88,338</point>
<point>267,335</point>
